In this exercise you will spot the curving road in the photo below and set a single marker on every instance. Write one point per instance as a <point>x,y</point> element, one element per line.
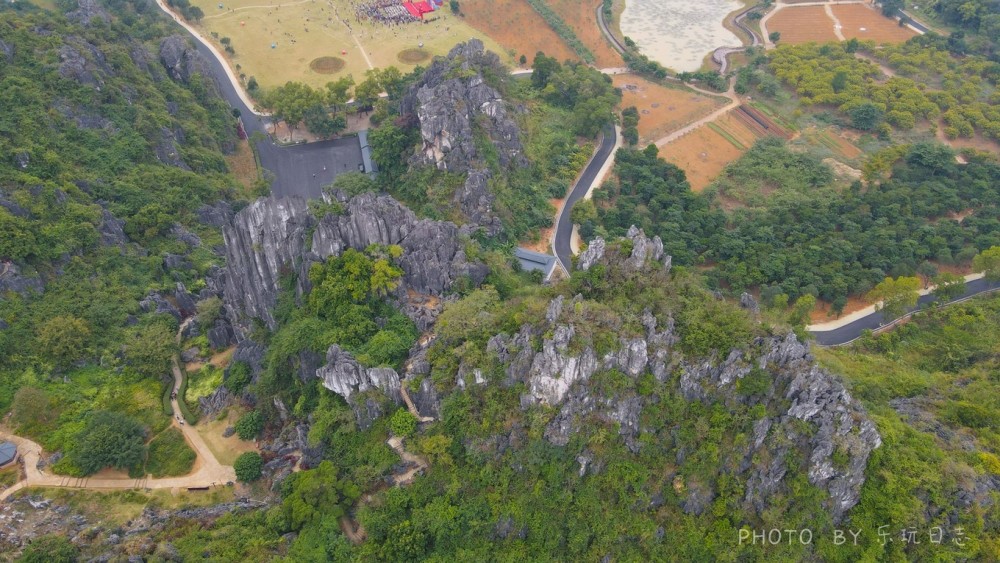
<point>564,225</point>
<point>852,331</point>
<point>304,169</point>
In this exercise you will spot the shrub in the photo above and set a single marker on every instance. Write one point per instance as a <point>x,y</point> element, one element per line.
<point>249,425</point>
<point>108,440</point>
<point>248,466</point>
<point>239,377</point>
<point>403,423</point>
<point>169,454</point>
<point>49,549</point>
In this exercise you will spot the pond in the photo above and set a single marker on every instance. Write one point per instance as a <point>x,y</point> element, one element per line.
<point>679,33</point>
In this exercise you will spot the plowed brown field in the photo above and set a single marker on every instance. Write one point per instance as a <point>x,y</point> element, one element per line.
<point>582,17</point>
<point>661,109</point>
<point>802,24</point>
<point>863,22</point>
<point>516,26</point>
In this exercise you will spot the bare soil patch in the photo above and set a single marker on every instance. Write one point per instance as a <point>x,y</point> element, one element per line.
<point>413,56</point>
<point>242,164</point>
<point>863,22</point>
<point>802,24</point>
<point>702,154</point>
<point>327,65</point>
<point>821,312</point>
<point>516,26</point>
<point>582,17</point>
<point>226,450</point>
<point>661,109</point>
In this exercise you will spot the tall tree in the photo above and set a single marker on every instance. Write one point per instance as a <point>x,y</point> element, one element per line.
<point>894,296</point>
<point>988,262</point>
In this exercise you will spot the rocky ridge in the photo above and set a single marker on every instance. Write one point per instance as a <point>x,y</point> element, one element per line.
<point>809,413</point>
<point>452,101</point>
<point>275,236</point>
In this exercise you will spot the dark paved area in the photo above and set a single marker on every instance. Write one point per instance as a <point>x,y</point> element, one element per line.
<point>564,230</point>
<point>849,332</point>
<point>303,170</point>
<point>292,168</point>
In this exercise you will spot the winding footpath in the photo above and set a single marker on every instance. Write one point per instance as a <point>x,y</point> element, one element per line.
<point>207,471</point>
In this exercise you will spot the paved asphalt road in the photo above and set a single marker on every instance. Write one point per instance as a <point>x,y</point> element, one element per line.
<point>297,169</point>
<point>849,332</point>
<point>564,225</point>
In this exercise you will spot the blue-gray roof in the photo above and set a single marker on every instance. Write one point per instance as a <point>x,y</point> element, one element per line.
<point>366,153</point>
<point>531,260</point>
<point>7,452</point>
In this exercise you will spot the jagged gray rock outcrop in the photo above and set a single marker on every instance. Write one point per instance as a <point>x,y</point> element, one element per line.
<point>183,61</point>
<point>811,414</point>
<point>269,237</point>
<point>7,50</point>
<point>11,279</point>
<point>264,239</point>
<point>343,375</point>
<point>450,98</point>
<point>453,103</point>
<point>643,249</point>
<point>87,11</point>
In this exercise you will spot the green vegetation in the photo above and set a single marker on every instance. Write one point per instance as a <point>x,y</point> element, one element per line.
<point>402,423</point>
<point>80,151</point>
<point>930,83</point>
<point>182,403</point>
<point>169,455</point>
<point>249,425</point>
<point>797,234</point>
<point>564,31</point>
<point>309,497</point>
<point>248,466</point>
<point>895,296</point>
<point>926,380</point>
<point>563,101</point>
<point>108,439</point>
<point>49,549</point>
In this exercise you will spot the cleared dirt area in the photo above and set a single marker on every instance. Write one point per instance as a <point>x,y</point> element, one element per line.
<point>582,17</point>
<point>275,40</point>
<point>802,24</point>
<point>226,450</point>
<point>702,154</point>
<point>661,109</point>
<point>517,26</point>
<point>242,164</point>
<point>863,22</point>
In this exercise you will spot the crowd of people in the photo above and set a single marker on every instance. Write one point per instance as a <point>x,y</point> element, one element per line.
<point>387,12</point>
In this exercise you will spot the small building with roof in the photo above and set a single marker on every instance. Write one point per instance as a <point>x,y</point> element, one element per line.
<point>531,260</point>
<point>8,453</point>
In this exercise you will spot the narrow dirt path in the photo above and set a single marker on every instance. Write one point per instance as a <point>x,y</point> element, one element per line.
<point>734,101</point>
<point>838,29</point>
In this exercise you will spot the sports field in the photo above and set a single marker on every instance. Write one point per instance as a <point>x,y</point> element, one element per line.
<point>276,41</point>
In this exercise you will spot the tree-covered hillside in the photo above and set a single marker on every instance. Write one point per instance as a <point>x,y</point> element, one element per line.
<point>110,164</point>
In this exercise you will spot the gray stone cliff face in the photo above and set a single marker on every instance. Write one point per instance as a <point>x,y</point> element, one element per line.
<point>264,239</point>
<point>558,377</point>
<point>452,102</point>
<point>270,236</point>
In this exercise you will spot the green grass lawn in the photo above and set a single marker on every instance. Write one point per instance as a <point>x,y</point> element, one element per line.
<point>169,455</point>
